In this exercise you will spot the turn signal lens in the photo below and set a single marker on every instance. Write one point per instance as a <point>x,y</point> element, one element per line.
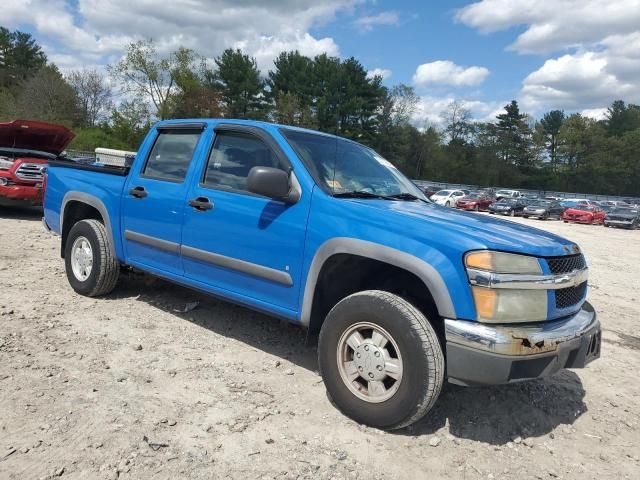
<point>485,300</point>
<point>482,260</point>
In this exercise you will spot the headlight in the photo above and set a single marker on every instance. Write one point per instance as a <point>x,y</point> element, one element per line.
<point>500,262</point>
<point>506,305</point>
<point>5,164</point>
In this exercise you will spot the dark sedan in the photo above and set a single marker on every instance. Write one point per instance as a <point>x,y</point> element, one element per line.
<point>543,209</point>
<point>623,217</point>
<point>507,206</point>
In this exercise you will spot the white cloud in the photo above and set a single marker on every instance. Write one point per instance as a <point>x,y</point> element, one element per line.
<point>553,24</point>
<point>368,23</point>
<point>595,113</point>
<point>445,72</point>
<point>430,108</point>
<point>587,79</point>
<point>599,41</point>
<point>99,30</point>
<point>383,72</point>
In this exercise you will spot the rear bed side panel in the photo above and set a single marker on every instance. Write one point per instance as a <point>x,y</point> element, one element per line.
<point>103,191</point>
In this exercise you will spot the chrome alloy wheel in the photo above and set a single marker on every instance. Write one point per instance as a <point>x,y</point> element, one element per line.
<point>369,362</point>
<point>81,258</point>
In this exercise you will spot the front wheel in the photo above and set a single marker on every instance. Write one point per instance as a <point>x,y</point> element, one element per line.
<point>380,359</point>
<point>91,267</point>
<point>448,204</point>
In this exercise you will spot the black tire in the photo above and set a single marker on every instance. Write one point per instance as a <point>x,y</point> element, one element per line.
<point>105,269</point>
<point>423,359</point>
<point>477,208</point>
<point>544,217</point>
<point>525,216</point>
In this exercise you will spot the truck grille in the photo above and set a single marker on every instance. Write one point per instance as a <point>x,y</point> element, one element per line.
<point>30,172</point>
<point>566,264</point>
<point>568,297</point>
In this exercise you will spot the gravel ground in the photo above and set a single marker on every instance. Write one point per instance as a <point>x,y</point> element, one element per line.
<point>140,385</point>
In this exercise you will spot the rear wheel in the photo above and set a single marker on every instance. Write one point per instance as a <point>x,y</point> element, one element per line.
<point>380,359</point>
<point>91,267</point>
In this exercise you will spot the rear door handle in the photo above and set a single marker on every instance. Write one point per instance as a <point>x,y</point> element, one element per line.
<point>201,204</point>
<point>138,192</point>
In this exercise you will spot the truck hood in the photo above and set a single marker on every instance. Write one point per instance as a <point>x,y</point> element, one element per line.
<point>476,231</point>
<point>34,135</point>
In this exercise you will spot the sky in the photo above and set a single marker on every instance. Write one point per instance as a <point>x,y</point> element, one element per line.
<point>575,55</point>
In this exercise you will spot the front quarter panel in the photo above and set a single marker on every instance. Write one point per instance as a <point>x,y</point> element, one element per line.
<point>345,226</point>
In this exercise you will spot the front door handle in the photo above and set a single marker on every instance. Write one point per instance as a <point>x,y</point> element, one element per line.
<point>201,204</point>
<point>138,192</point>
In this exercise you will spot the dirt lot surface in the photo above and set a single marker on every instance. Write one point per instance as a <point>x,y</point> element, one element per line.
<point>137,385</point>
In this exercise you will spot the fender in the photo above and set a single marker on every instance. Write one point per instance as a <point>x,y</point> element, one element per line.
<point>96,203</point>
<point>375,251</point>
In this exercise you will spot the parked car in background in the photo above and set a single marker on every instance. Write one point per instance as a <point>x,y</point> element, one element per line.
<point>448,198</point>
<point>543,209</point>
<point>429,190</point>
<point>572,202</point>
<point>475,201</point>
<point>507,206</point>
<point>530,196</point>
<point>508,194</point>
<point>553,198</point>
<point>623,217</point>
<point>25,148</point>
<point>614,203</point>
<point>584,213</point>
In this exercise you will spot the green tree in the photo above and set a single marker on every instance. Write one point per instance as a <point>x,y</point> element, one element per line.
<point>242,89</point>
<point>292,74</point>
<point>514,137</point>
<point>130,122</point>
<point>622,118</point>
<point>20,57</point>
<point>93,94</point>
<point>146,74</point>
<point>551,123</point>
<point>47,96</point>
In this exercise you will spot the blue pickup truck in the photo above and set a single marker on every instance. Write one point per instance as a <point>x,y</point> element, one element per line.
<point>324,232</point>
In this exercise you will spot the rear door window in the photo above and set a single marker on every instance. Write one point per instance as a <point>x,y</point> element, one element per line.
<point>171,155</point>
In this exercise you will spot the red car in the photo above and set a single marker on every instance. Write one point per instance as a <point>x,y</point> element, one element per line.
<point>25,148</point>
<point>475,201</point>
<point>583,213</point>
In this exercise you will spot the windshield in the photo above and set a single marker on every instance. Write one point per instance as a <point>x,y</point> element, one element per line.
<point>584,207</point>
<point>341,166</point>
<point>625,211</point>
<point>539,203</point>
<point>442,193</point>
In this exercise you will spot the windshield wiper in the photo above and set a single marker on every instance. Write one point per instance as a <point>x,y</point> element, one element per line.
<point>361,194</point>
<point>406,196</point>
<point>365,194</point>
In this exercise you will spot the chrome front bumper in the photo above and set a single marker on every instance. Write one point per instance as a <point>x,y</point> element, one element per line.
<point>480,353</point>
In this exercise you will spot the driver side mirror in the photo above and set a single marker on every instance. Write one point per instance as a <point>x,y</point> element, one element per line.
<point>272,183</point>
